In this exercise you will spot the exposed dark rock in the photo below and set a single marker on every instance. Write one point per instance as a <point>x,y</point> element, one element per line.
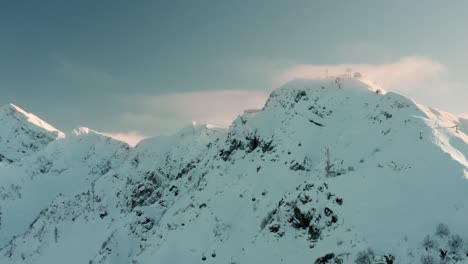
<point>339,201</point>
<point>299,95</point>
<point>316,123</point>
<point>274,228</point>
<point>299,220</point>
<point>329,258</point>
<point>314,233</point>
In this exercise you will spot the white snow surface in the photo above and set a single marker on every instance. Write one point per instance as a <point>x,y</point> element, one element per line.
<point>20,114</point>
<point>22,133</point>
<point>332,170</point>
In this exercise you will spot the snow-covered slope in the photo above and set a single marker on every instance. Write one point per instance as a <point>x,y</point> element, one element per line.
<point>331,170</point>
<point>62,167</point>
<point>22,133</point>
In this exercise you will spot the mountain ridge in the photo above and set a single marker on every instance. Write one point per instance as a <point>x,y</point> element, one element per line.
<point>332,170</point>
<point>20,114</point>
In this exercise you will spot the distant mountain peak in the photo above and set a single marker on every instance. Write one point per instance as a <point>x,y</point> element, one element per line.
<point>22,133</point>
<point>84,131</point>
<point>21,115</point>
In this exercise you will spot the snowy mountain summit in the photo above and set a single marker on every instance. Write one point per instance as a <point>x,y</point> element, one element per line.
<point>22,133</point>
<point>331,170</point>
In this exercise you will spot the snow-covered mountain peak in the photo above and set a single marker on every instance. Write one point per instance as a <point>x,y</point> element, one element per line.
<point>190,134</point>
<point>205,125</point>
<point>197,129</point>
<point>23,133</point>
<point>330,171</point>
<point>11,110</point>
<point>372,86</point>
<point>342,82</point>
<point>85,131</point>
<point>325,96</point>
<point>10,107</point>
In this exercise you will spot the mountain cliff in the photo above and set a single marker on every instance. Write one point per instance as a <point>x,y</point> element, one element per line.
<point>331,170</point>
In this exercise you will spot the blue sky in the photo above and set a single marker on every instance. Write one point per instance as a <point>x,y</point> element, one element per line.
<point>143,66</point>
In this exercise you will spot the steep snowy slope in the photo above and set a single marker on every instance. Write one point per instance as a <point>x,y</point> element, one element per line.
<point>115,209</point>
<point>62,167</point>
<point>22,133</point>
<point>330,171</point>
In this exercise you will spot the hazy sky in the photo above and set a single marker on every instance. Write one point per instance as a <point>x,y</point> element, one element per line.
<point>150,67</point>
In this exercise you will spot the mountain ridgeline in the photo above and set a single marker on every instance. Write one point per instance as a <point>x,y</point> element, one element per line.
<point>331,170</point>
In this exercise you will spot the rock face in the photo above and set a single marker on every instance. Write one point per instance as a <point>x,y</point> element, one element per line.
<point>329,171</point>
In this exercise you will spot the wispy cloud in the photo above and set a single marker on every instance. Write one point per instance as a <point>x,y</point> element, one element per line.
<point>402,74</point>
<point>166,113</point>
<point>423,79</point>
